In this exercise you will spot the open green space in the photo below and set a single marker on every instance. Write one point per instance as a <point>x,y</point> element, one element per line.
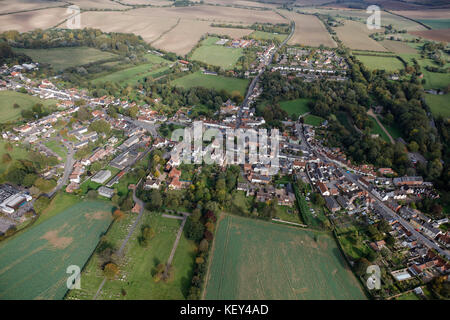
<point>33,265</point>
<point>131,76</point>
<point>381,63</point>
<point>254,259</point>
<point>262,35</point>
<point>296,107</point>
<point>217,55</point>
<point>18,152</point>
<point>436,23</point>
<point>376,129</point>
<point>313,120</point>
<point>138,262</point>
<point>63,58</point>
<point>439,104</point>
<point>198,79</point>
<point>57,147</point>
<point>25,102</point>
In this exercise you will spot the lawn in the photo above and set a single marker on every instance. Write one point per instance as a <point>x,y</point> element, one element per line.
<point>254,259</point>
<point>18,152</point>
<point>296,107</point>
<point>198,79</point>
<point>138,262</point>
<point>381,63</point>
<point>131,76</point>
<point>57,147</point>
<point>314,120</point>
<point>262,35</point>
<point>59,203</point>
<point>376,129</point>
<point>217,55</point>
<point>63,58</point>
<point>25,101</point>
<point>33,264</point>
<point>439,104</point>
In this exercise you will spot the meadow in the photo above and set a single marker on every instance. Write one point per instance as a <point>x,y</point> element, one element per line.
<point>217,55</point>
<point>376,129</point>
<point>254,259</point>
<point>313,120</point>
<point>63,58</point>
<point>297,106</point>
<point>133,75</point>
<point>138,262</point>
<point>198,79</point>
<point>9,98</point>
<point>381,63</point>
<point>18,152</point>
<point>439,104</point>
<point>33,264</point>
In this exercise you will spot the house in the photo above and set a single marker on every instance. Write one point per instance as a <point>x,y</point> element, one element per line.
<point>174,173</point>
<point>256,178</point>
<point>175,184</point>
<point>323,189</point>
<point>386,171</point>
<point>152,184</point>
<point>101,176</point>
<point>378,245</point>
<point>331,204</point>
<point>106,192</point>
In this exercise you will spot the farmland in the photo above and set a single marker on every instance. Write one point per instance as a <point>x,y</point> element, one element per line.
<point>253,259</point>
<point>261,35</point>
<point>381,63</point>
<point>218,55</point>
<point>297,106</point>
<point>62,58</point>
<point>439,104</point>
<point>355,35</point>
<point>138,262</point>
<point>309,31</point>
<point>25,101</point>
<point>398,46</point>
<point>33,264</point>
<point>436,35</point>
<point>212,82</point>
<point>131,76</point>
<point>26,21</point>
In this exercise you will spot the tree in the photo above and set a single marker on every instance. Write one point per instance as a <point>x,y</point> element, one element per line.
<point>6,158</point>
<point>41,203</point>
<point>111,270</point>
<point>155,200</point>
<point>44,185</point>
<point>100,126</point>
<point>118,214</point>
<point>147,233</point>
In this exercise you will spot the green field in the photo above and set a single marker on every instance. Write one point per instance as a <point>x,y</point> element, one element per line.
<point>63,58</point>
<point>217,55</point>
<point>439,104</point>
<point>57,147</point>
<point>131,76</point>
<point>198,79</point>
<point>381,63</point>
<point>297,106</point>
<point>18,152</point>
<point>33,264</point>
<point>262,35</point>
<point>138,263</point>
<point>25,101</point>
<point>253,259</point>
<point>436,23</point>
<point>313,120</point>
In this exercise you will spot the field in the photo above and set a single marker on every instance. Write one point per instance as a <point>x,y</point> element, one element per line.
<point>138,263</point>
<point>436,35</point>
<point>437,23</point>
<point>381,63</point>
<point>397,46</point>
<point>8,6</point>
<point>439,104</point>
<point>212,82</point>
<point>17,153</point>
<point>25,101</point>
<point>62,58</point>
<point>355,35</point>
<point>253,259</point>
<point>313,120</point>
<point>297,106</point>
<point>211,53</point>
<point>26,21</point>
<point>131,76</point>
<point>376,129</point>
<point>33,264</point>
<point>309,31</point>
<point>57,148</point>
<point>261,35</point>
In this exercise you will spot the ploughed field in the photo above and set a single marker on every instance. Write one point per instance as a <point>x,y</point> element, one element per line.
<point>253,259</point>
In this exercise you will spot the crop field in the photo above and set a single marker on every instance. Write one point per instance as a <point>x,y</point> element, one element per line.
<point>381,63</point>
<point>218,55</point>
<point>26,21</point>
<point>355,35</point>
<point>253,259</point>
<point>25,101</point>
<point>198,79</point>
<point>63,58</point>
<point>261,35</point>
<point>309,31</point>
<point>8,6</point>
<point>398,46</point>
<point>439,104</point>
<point>436,35</point>
<point>138,262</point>
<point>297,106</point>
<point>134,74</point>
<point>437,23</point>
<point>33,264</point>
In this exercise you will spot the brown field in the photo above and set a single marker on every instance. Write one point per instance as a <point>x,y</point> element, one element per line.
<point>27,21</point>
<point>98,4</point>
<point>393,5</point>
<point>397,46</point>
<point>157,3</point>
<point>437,35</point>
<point>187,33</point>
<point>301,3</point>
<point>425,14</point>
<point>7,6</point>
<point>355,35</point>
<point>242,3</point>
<point>177,29</point>
<point>309,31</point>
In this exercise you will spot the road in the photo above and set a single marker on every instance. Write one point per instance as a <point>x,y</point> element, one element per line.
<point>354,178</point>
<point>256,78</point>
<point>68,167</point>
